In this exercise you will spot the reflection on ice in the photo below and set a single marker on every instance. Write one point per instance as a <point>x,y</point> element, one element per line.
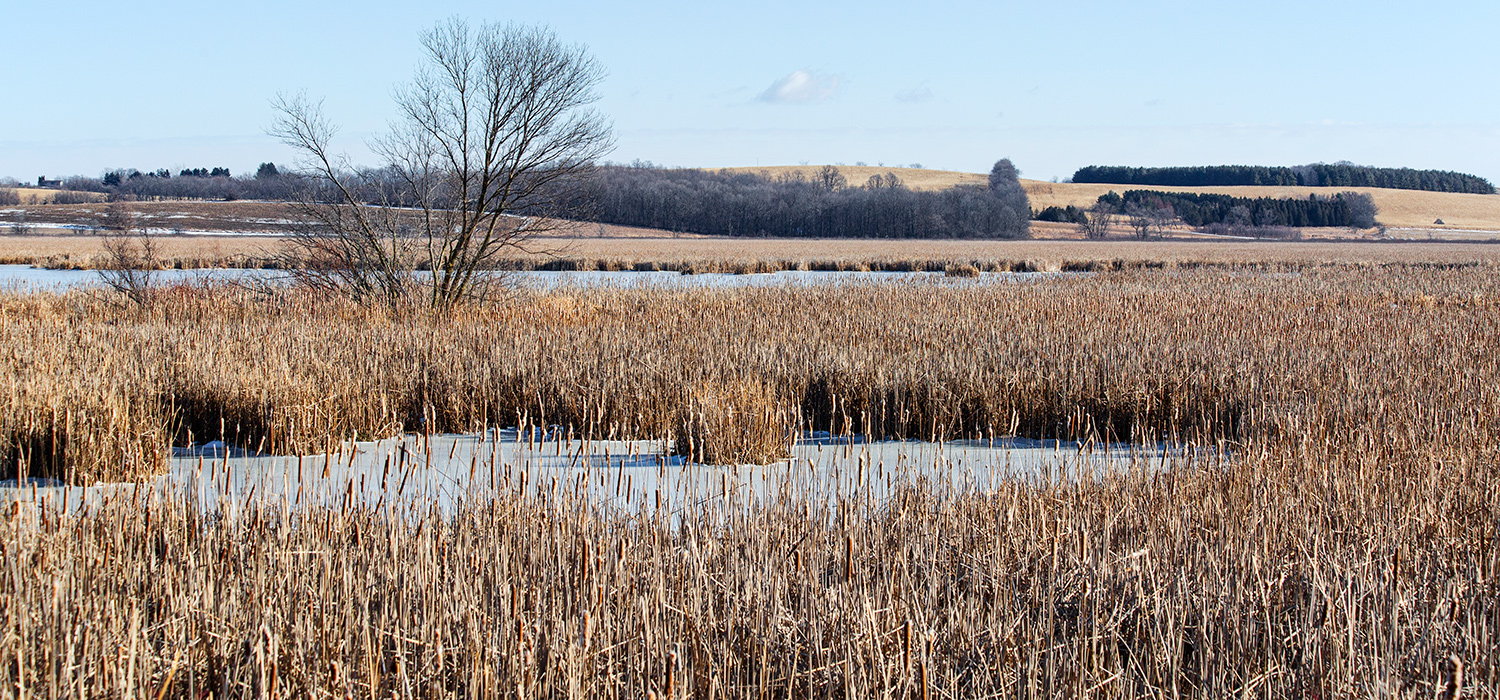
<point>446,471</point>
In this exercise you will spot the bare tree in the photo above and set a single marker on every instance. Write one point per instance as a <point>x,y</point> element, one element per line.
<point>130,253</point>
<point>1362,209</point>
<point>20,225</point>
<point>1239,220</point>
<point>831,179</point>
<point>888,181</point>
<point>1139,219</point>
<point>1162,215</point>
<point>493,147</point>
<point>1150,218</point>
<point>1096,223</point>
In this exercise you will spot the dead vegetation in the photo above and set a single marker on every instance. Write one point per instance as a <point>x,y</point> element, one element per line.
<point>98,393</point>
<point>744,256</point>
<point>736,422</point>
<point>1345,548</point>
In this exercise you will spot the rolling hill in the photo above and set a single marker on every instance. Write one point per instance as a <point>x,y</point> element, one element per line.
<point>1406,209</point>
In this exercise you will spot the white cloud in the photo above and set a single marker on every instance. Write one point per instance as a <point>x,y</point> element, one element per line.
<point>916,94</point>
<point>802,87</point>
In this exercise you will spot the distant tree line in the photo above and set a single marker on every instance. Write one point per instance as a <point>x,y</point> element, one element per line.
<point>725,203</point>
<point>1313,175</point>
<point>268,183</point>
<point>1345,209</point>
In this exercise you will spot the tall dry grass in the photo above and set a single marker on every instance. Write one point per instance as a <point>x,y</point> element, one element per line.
<point>1347,548</point>
<point>98,391</point>
<point>93,390</point>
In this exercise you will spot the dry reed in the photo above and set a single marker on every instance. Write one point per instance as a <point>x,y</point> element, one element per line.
<point>1347,549</point>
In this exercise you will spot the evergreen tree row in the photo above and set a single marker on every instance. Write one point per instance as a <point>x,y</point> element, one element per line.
<point>1314,175</point>
<point>1062,215</point>
<point>1345,209</point>
<point>741,204</point>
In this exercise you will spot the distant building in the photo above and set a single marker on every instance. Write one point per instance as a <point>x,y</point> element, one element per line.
<point>46,184</point>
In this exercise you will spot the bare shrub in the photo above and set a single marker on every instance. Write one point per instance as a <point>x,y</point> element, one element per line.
<point>1362,209</point>
<point>20,225</point>
<point>130,253</point>
<point>70,197</point>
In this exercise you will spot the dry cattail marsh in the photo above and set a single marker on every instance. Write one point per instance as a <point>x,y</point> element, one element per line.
<point>1345,547</point>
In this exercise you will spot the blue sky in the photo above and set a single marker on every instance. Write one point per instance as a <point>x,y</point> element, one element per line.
<point>92,86</point>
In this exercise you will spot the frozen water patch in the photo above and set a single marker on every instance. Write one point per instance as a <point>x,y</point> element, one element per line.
<point>23,276</point>
<point>447,471</point>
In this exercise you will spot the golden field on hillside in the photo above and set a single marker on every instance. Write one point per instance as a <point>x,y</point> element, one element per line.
<point>1398,208</point>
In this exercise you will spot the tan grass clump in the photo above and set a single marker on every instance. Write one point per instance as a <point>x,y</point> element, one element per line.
<point>960,270</point>
<point>737,422</point>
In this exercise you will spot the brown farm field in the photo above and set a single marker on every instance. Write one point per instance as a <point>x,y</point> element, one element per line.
<point>49,235</point>
<point>34,195</point>
<point>200,217</point>
<point>705,254</point>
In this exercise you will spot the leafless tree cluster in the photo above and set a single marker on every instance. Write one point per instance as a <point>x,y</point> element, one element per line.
<point>130,253</point>
<point>1095,225</point>
<point>493,146</point>
<point>831,179</point>
<point>1149,220</point>
<point>20,225</point>
<point>793,205</point>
